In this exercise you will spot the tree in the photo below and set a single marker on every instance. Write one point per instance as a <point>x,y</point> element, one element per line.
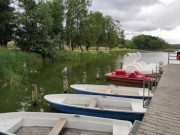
<point>111,34</point>
<point>129,44</point>
<point>149,42</point>
<point>76,17</point>
<point>96,20</point>
<point>7,24</point>
<point>57,12</point>
<point>35,28</point>
<point>120,34</point>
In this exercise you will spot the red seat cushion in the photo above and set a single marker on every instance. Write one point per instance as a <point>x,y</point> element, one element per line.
<point>121,72</point>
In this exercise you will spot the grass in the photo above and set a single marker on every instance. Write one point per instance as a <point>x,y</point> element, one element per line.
<point>69,55</point>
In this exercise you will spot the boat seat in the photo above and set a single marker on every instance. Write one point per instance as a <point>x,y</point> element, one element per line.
<point>93,102</point>
<point>58,127</point>
<point>108,90</point>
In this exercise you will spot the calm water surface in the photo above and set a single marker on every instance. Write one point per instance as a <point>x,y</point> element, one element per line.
<point>49,79</point>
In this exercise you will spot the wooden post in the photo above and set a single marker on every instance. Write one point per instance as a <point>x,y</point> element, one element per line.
<point>156,77</point>
<point>98,73</point>
<point>84,77</point>
<point>108,69</point>
<point>121,65</point>
<point>34,94</point>
<point>65,84</point>
<point>149,90</point>
<point>144,83</point>
<point>152,82</point>
<point>168,56</point>
<point>160,67</point>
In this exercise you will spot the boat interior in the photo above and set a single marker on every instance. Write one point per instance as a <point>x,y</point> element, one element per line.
<point>99,103</point>
<point>115,91</point>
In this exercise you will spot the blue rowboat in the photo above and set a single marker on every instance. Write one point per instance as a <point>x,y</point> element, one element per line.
<point>115,91</point>
<point>98,106</point>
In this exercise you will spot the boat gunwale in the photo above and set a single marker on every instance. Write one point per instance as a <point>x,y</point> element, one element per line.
<point>92,108</point>
<point>125,95</point>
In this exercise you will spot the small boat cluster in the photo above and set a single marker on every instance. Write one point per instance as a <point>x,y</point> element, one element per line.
<point>94,109</point>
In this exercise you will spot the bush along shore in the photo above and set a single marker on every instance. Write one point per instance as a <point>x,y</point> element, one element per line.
<point>69,55</point>
<point>13,62</point>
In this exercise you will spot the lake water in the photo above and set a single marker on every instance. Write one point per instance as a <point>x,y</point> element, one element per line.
<point>49,79</point>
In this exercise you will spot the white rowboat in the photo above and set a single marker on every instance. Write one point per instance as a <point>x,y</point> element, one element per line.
<point>116,91</point>
<point>99,106</point>
<point>33,123</point>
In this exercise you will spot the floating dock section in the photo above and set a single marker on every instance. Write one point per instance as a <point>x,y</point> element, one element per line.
<point>163,113</point>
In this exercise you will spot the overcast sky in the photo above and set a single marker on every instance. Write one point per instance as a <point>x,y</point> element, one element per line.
<point>152,17</point>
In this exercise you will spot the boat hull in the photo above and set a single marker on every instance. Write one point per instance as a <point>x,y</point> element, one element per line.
<point>93,93</point>
<point>98,113</point>
<point>130,80</point>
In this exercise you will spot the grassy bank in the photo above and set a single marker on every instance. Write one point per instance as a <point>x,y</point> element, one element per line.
<point>164,50</point>
<point>13,67</point>
<point>69,55</point>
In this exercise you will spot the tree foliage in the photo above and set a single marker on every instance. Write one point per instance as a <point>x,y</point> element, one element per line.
<point>41,26</point>
<point>149,42</point>
<point>35,31</point>
<point>7,24</point>
<point>57,12</point>
<point>76,19</point>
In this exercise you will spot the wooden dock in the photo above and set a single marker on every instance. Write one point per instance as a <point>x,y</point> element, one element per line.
<point>163,113</point>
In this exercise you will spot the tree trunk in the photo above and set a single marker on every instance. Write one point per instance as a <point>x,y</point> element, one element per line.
<point>87,46</point>
<point>97,48</point>
<point>43,57</point>
<point>81,48</point>
<point>72,48</point>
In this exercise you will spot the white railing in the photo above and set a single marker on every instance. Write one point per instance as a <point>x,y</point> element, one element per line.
<point>172,58</point>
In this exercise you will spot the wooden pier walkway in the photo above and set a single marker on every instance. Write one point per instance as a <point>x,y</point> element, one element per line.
<point>163,113</point>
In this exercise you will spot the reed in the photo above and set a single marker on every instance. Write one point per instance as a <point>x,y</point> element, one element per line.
<point>11,65</point>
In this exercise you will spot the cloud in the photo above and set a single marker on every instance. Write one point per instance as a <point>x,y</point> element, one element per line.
<point>143,16</point>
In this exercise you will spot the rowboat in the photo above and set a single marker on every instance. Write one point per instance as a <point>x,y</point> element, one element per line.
<point>106,90</point>
<point>38,123</point>
<point>98,106</point>
<point>135,77</point>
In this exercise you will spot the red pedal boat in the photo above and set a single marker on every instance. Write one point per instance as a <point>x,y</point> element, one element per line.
<point>135,77</point>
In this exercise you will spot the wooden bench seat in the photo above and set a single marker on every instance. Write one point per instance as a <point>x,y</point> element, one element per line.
<point>58,127</point>
<point>93,102</point>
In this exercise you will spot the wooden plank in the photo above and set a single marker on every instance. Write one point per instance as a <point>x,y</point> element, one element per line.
<point>164,128</point>
<point>162,116</point>
<point>163,120</point>
<point>58,127</point>
<point>93,102</point>
<point>108,90</point>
